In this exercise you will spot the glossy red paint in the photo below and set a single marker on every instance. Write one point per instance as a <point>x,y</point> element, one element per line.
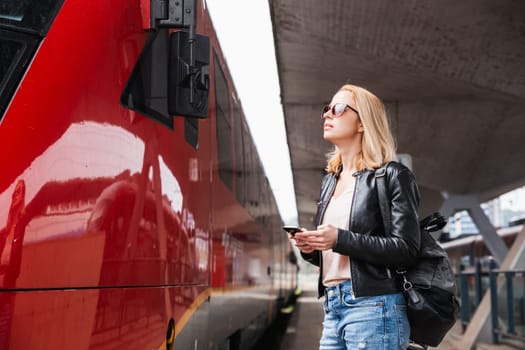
<point>111,224</point>
<point>89,169</point>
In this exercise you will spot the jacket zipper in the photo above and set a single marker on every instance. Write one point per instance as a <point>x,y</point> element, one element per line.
<point>323,201</point>
<point>349,226</point>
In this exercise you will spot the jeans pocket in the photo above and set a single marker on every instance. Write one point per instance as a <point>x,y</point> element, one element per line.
<point>402,324</point>
<point>349,300</point>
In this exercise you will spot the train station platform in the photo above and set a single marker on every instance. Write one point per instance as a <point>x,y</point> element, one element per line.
<point>305,325</point>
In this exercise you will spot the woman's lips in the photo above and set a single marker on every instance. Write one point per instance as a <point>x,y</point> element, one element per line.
<point>327,126</point>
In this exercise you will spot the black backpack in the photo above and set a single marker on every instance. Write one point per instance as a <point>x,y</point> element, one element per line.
<point>429,285</point>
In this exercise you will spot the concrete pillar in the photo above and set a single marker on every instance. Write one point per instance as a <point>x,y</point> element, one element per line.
<point>470,203</point>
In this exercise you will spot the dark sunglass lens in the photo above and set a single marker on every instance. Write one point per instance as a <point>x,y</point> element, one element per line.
<point>325,109</point>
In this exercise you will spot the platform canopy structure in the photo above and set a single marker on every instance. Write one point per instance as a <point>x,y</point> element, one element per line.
<point>451,73</point>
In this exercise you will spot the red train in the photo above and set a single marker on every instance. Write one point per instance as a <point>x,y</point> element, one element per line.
<point>134,210</point>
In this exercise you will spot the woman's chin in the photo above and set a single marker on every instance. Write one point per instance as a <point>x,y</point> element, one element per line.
<point>329,136</point>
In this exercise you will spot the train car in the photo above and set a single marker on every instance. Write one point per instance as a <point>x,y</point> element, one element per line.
<point>134,210</point>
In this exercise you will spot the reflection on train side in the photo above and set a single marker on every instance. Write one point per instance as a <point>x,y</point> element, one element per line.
<point>120,223</point>
<point>12,236</point>
<point>80,153</point>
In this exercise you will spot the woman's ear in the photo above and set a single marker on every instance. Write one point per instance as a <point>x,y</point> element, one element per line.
<point>360,128</point>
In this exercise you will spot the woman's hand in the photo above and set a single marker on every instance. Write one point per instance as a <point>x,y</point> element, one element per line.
<point>301,244</point>
<point>323,238</point>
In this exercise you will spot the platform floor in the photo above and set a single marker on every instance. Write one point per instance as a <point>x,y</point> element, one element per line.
<point>305,325</point>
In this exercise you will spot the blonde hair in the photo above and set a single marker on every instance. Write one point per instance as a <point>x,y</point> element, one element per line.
<point>378,145</point>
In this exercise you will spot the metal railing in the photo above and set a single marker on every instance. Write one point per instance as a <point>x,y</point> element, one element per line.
<point>507,321</point>
<point>498,325</point>
<point>469,302</point>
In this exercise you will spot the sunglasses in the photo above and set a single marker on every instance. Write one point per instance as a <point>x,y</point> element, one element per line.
<point>337,110</point>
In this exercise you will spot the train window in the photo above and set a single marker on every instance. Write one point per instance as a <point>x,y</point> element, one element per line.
<point>248,165</point>
<point>252,177</point>
<point>258,173</point>
<point>31,20</point>
<point>239,166</point>
<point>16,50</point>
<point>258,178</point>
<point>146,91</point>
<point>10,53</point>
<point>224,127</point>
<point>34,16</point>
<point>264,199</point>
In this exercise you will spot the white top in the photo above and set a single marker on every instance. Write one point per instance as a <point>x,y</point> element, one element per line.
<point>336,267</point>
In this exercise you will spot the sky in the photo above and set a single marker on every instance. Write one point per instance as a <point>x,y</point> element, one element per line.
<point>514,200</point>
<point>245,35</point>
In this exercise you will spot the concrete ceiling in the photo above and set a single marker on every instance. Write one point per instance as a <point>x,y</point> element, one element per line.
<point>451,73</point>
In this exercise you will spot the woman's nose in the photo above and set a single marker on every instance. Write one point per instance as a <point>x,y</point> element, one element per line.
<point>328,115</point>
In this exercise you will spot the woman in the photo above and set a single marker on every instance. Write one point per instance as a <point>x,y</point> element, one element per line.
<point>364,306</point>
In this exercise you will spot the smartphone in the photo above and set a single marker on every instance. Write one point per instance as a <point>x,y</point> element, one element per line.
<point>292,229</point>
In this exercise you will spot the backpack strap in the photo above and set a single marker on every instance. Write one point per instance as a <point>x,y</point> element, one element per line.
<point>382,194</point>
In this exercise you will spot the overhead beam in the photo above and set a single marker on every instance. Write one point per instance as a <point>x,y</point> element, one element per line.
<point>470,203</point>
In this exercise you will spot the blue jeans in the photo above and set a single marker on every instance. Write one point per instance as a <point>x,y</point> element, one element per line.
<point>371,323</point>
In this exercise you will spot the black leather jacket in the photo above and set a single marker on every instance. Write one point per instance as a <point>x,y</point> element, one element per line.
<point>373,254</point>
